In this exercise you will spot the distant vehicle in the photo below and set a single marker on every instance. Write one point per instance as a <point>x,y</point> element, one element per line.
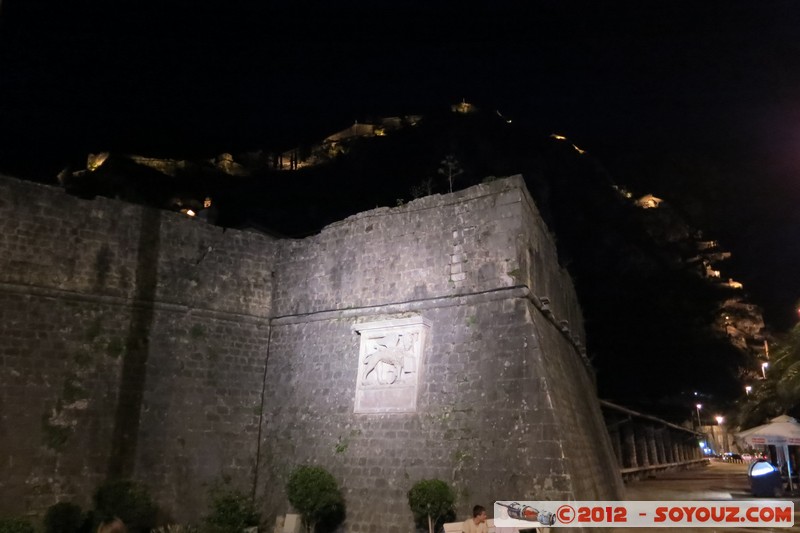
<point>732,457</point>
<point>747,457</point>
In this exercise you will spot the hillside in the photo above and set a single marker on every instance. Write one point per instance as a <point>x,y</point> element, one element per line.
<point>663,319</point>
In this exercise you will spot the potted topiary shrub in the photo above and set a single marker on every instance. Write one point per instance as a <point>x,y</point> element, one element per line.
<point>64,517</point>
<point>314,493</point>
<point>15,525</point>
<point>231,512</point>
<point>128,501</point>
<point>431,500</point>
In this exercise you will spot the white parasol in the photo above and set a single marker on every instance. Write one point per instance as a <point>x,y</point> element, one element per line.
<point>783,431</point>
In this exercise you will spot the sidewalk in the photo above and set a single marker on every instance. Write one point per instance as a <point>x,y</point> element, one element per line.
<point>717,481</point>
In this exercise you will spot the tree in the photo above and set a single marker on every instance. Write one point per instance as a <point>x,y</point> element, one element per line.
<point>432,499</point>
<point>423,188</point>
<point>64,517</point>
<point>450,168</point>
<point>787,370</point>
<point>128,501</point>
<point>314,493</point>
<point>779,392</point>
<point>231,511</point>
<point>16,525</point>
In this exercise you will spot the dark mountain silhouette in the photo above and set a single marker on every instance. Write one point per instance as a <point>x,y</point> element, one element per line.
<point>662,321</point>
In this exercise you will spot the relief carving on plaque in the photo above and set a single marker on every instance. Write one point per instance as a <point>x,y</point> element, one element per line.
<point>389,364</point>
<point>388,358</point>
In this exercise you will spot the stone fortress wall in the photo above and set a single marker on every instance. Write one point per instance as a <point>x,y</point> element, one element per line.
<point>131,343</point>
<point>435,339</point>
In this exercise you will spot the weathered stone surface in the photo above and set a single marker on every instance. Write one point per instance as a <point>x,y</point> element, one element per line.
<point>131,342</point>
<point>143,343</point>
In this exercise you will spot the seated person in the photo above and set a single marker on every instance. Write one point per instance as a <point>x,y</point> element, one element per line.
<point>476,524</point>
<point>112,526</point>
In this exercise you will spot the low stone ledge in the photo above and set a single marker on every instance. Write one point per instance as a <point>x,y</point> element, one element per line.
<point>635,472</point>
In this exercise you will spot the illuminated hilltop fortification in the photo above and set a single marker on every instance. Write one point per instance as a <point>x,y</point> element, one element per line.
<point>619,246</point>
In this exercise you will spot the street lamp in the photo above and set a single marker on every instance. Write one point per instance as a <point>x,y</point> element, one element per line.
<point>747,389</point>
<point>699,405</point>
<point>723,441</point>
<point>764,369</point>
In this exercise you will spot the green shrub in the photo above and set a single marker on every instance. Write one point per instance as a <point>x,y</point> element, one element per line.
<point>175,528</point>
<point>314,493</point>
<point>128,501</point>
<point>431,501</point>
<point>231,512</point>
<point>15,525</point>
<point>64,517</point>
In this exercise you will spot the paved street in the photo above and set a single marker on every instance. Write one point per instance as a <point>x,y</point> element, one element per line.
<point>717,481</point>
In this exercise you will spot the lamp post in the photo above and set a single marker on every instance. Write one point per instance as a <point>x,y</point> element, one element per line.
<point>724,440</point>
<point>698,406</point>
<point>764,369</point>
<point>747,389</point>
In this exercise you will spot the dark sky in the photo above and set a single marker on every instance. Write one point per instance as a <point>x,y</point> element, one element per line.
<point>696,98</point>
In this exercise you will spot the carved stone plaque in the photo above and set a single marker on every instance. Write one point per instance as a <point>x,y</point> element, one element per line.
<point>390,362</point>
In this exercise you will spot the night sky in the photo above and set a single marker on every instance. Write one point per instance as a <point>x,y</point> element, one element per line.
<point>696,102</point>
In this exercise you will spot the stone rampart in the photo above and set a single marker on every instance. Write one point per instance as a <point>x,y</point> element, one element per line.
<point>505,402</point>
<point>436,339</point>
<point>131,343</point>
